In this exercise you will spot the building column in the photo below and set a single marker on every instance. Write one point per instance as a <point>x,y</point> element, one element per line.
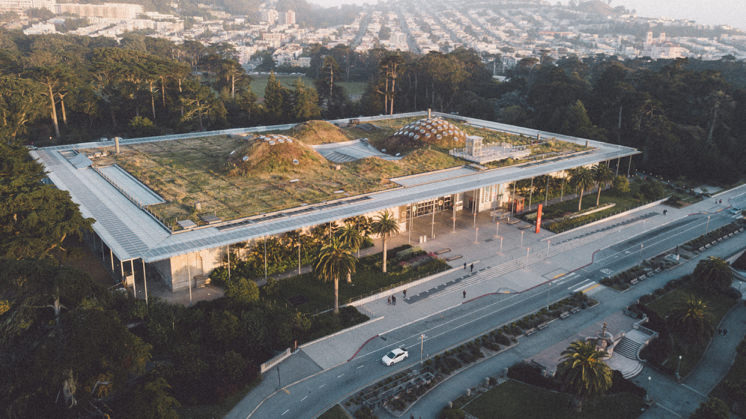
<point>530,193</point>
<point>629,165</point>
<point>145,280</point>
<point>618,160</point>
<point>134,277</point>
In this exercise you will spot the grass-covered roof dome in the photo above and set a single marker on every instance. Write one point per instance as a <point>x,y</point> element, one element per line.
<point>269,154</point>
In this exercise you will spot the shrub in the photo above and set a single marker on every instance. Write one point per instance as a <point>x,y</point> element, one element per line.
<point>530,374</point>
<point>452,413</point>
<point>619,384</point>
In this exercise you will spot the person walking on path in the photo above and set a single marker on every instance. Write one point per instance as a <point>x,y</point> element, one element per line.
<point>472,268</point>
<point>464,293</point>
<point>404,293</point>
<point>464,265</point>
<point>388,300</point>
<point>393,299</point>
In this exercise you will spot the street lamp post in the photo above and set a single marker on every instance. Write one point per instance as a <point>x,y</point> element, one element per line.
<point>549,288</point>
<point>707,226</point>
<point>422,346</point>
<point>678,368</point>
<point>650,387</point>
<point>642,245</point>
<point>521,239</point>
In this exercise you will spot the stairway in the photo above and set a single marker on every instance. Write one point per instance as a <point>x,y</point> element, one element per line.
<point>627,348</point>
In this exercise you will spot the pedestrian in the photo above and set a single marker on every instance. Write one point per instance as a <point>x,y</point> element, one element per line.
<point>665,211</point>
<point>404,293</point>
<point>388,300</point>
<point>472,267</point>
<point>393,299</point>
<point>464,292</point>
<point>464,265</point>
<point>725,332</point>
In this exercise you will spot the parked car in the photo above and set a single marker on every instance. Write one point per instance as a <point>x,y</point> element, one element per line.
<point>395,356</point>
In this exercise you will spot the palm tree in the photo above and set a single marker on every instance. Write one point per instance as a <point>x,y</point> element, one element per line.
<point>692,320</point>
<point>602,174</point>
<point>583,372</point>
<point>334,261</point>
<point>351,236</point>
<point>385,225</point>
<point>581,178</point>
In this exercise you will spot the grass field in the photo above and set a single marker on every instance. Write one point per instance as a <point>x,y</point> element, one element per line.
<point>719,306</point>
<point>517,400</point>
<point>354,89</point>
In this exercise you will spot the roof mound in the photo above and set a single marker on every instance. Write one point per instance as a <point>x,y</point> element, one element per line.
<point>272,154</point>
<point>319,132</point>
<point>432,131</point>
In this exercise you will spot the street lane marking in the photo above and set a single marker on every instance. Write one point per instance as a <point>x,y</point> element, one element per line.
<point>580,285</point>
<point>283,413</point>
<point>340,375</point>
<point>322,385</point>
<point>362,366</point>
<point>559,275</point>
<point>590,288</point>
<point>694,390</point>
<point>285,390</point>
<point>304,397</point>
<point>666,408</point>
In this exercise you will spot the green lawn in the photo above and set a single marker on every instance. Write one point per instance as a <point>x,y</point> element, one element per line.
<point>354,89</point>
<point>517,400</point>
<point>719,306</point>
<point>336,412</point>
<point>367,280</point>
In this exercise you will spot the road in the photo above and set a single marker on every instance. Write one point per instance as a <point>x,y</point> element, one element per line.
<point>315,394</point>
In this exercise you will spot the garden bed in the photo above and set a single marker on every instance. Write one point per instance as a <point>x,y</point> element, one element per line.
<point>636,274</point>
<point>406,264</point>
<point>706,240</point>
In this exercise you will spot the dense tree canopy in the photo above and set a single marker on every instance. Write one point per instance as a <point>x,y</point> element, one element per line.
<point>34,218</point>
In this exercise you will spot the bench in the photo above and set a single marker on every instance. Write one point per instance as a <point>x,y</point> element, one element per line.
<point>564,315</point>
<point>575,310</point>
<point>453,258</point>
<point>530,331</point>
<point>441,251</point>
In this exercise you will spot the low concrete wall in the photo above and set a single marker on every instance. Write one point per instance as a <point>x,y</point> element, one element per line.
<point>400,288</point>
<point>621,214</point>
<point>274,361</point>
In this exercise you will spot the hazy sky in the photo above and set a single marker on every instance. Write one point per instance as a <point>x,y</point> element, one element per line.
<point>709,12</point>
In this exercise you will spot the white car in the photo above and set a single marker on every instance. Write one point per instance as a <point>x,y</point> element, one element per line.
<point>396,355</point>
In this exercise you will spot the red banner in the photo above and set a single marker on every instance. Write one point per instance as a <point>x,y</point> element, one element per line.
<point>538,219</point>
